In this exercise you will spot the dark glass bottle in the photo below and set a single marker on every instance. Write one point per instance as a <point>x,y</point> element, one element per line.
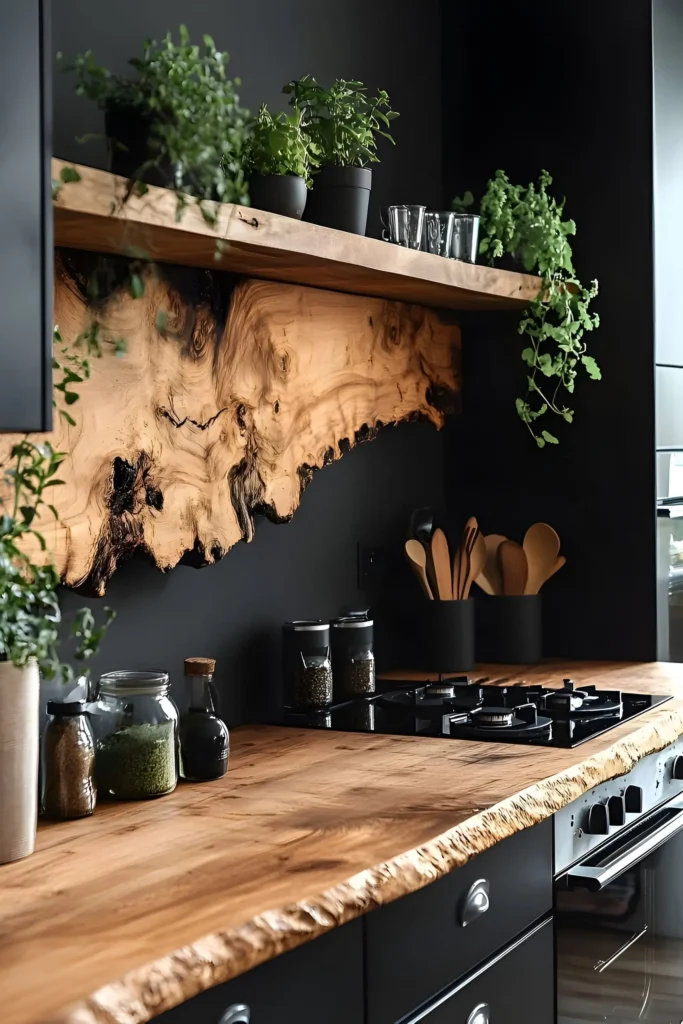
<point>204,746</point>
<point>204,737</point>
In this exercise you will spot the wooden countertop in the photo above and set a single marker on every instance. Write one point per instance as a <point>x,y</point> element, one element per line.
<point>123,915</point>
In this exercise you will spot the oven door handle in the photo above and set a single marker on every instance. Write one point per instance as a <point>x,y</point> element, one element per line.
<point>619,858</point>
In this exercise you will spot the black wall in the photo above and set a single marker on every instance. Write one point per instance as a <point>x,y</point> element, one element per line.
<point>569,90</point>
<point>233,611</point>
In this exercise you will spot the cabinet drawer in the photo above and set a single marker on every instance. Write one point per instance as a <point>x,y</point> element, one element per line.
<point>517,988</point>
<point>321,981</point>
<point>419,945</point>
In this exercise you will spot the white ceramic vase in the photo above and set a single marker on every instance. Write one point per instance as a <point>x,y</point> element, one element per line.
<point>19,714</point>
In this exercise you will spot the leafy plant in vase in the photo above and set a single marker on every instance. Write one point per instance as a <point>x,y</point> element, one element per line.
<point>277,162</point>
<point>343,124</point>
<point>527,225</point>
<point>177,123</point>
<point>30,617</point>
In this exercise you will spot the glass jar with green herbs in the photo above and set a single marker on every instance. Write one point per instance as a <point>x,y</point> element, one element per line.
<point>136,729</point>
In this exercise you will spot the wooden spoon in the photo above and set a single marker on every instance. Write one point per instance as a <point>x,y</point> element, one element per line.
<point>541,547</point>
<point>442,565</point>
<point>417,556</point>
<point>490,579</point>
<point>477,563</point>
<point>513,566</point>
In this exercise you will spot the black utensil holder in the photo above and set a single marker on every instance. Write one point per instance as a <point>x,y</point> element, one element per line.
<point>445,636</point>
<point>509,629</point>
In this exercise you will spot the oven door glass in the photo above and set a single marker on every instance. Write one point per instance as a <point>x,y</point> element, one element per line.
<point>620,935</point>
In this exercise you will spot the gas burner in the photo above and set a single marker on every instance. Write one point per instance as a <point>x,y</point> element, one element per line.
<point>492,718</point>
<point>509,723</point>
<point>572,703</point>
<point>439,690</point>
<point>433,699</point>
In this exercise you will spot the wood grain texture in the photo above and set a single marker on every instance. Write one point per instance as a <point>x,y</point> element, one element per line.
<point>277,248</point>
<point>144,905</point>
<point>229,412</point>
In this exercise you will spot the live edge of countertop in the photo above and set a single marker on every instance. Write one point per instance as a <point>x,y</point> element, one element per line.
<point>120,916</point>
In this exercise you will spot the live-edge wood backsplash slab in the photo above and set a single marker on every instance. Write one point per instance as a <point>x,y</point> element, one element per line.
<point>228,411</point>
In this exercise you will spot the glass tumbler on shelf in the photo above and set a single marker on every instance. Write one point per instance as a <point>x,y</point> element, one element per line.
<point>403,225</point>
<point>136,731</point>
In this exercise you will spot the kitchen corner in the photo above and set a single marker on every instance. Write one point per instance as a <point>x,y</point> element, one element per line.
<point>340,482</point>
<point>146,905</point>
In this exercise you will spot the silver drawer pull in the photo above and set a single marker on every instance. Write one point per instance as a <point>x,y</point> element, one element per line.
<point>475,903</point>
<point>238,1013</point>
<point>480,1014</point>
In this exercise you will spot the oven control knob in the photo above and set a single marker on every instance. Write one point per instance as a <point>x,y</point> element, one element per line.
<point>677,770</point>
<point>616,807</point>
<point>598,820</point>
<point>633,798</point>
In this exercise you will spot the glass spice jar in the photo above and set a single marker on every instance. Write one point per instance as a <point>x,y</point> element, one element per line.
<point>68,762</point>
<point>136,731</point>
<point>204,737</point>
<point>306,663</point>
<point>353,658</point>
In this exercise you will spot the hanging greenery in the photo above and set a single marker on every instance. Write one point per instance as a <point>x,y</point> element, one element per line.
<point>528,224</point>
<point>30,615</point>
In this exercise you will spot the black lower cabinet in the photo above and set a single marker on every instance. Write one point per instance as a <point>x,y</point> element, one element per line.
<point>321,981</point>
<point>423,943</point>
<point>517,987</point>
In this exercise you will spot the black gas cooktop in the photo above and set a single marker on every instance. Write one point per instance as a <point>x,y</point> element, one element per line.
<point>459,709</point>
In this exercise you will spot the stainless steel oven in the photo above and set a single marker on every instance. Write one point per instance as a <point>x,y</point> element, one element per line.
<point>619,919</point>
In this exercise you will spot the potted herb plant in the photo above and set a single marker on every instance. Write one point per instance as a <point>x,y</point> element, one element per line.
<point>178,122</point>
<point>527,226</point>
<point>277,163</point>
<point>343,124</point>
<point>30,622</point>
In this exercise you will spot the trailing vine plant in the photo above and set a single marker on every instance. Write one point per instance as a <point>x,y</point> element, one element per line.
<point>528,224</point>
<point>30,614</point>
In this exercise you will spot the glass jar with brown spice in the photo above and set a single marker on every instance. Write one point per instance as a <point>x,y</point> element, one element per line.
<point>68,777</point>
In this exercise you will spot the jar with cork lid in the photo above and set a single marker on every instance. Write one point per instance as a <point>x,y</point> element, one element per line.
<point>204,737</point>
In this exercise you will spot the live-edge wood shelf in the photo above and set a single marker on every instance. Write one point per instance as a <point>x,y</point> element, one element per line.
<point>89,215</point>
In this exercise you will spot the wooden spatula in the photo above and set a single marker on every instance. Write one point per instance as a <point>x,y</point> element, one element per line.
<point>442,565</point>
<point>417,556</point>
<point>541,547</point>
<point>513,567</point>
<point>490,579</point>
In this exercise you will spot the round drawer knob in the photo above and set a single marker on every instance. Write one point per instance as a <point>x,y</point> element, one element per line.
<point>480,1014</point>
<point>238,1013</point>
<point>476,902</point>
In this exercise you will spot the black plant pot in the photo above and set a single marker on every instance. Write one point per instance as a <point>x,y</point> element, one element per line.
<point>445,636</point>
<point>509,629</point>
<point>339,198</point>
<point>279,193</point>
<point>128,136</point>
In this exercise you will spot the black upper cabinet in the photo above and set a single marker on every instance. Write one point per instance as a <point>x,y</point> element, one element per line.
<point>25,218</point>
